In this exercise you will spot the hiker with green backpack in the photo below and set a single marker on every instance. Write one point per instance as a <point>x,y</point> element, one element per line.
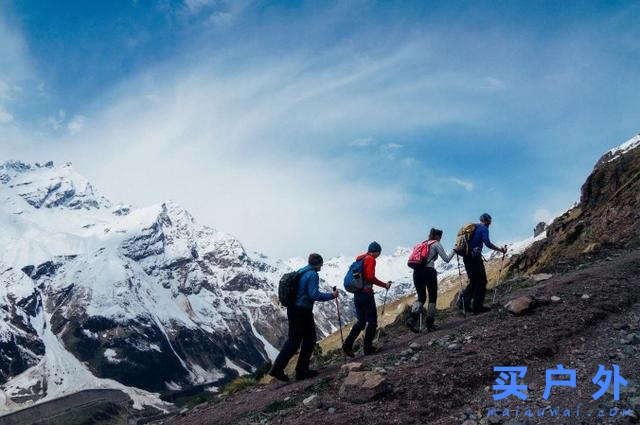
<point>360,279</point>
<point>469,243</point>
<point>298,291</point>
<point>425,278</point>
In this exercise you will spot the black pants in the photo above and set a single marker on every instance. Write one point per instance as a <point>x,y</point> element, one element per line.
<point>424,280</point>
<point>302,334</point>
<point>477,287</point>
<point>367,315</point>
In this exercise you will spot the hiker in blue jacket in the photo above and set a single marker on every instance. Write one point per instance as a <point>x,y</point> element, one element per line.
<point>473,264</point>
<point>302,327</point>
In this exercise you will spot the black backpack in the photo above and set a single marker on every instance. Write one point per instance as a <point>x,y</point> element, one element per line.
<point>288,288</point>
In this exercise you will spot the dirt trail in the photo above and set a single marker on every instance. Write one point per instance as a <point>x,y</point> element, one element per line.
<point>454,370</point>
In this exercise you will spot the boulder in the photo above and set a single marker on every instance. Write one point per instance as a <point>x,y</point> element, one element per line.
<point>312,402</point>
<point>415,346</point>
<point>540,227</point>
<point>353,366</point>
<point>555,299</point>
<point>541,276</point>
<point>519,305</point>
<point>361,387</point>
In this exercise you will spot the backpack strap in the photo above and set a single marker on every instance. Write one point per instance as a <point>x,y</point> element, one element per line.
<point>433,242</point>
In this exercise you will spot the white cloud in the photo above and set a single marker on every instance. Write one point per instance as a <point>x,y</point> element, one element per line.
<point>362,142</point>
<point>466,185</point>
<point>5,116</point>
<point>543,214</point>
<point>76,124</point>
<point>390,150</point>
<point>196,5</point>
<point>55,122</point>
<point>494,84</point>
<point>409,162</point>
<point>4,90</point>
<point>220,18</point>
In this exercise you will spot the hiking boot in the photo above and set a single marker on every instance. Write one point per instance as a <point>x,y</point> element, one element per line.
<point>372,350</point>
<point>348,351</point>
<point>481,309</point>
<point>430,326</point>
<point>279,375</point>
<point>411,324</point>
<point>413,328</point>
<point>307,374</point>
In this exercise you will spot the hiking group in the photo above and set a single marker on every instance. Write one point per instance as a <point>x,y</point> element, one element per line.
<point>299,290</point>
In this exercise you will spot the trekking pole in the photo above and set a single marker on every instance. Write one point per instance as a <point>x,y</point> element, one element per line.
<point>384,301</point>
<point>340,324</point>
<point>495,290</point>
<point>384,304</point>
<point>464,308</point>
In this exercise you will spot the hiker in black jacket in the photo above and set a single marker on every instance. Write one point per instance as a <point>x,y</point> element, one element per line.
<point>302,327</point>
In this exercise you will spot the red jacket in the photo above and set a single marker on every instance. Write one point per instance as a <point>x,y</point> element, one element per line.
<point>369,270</point>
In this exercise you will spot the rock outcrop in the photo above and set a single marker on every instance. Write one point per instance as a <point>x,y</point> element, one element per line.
<point>607,215</point>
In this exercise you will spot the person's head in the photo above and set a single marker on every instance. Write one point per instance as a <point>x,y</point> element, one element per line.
<point>374,249</point>
<point>435,234</point>
<point>485,219</point>
<point>316,261</point>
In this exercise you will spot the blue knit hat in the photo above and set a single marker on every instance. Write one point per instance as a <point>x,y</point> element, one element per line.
<point>374,247</point>
<point>485,217</point>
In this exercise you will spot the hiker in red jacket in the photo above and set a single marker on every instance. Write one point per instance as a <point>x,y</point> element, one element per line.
<point>365,303</point>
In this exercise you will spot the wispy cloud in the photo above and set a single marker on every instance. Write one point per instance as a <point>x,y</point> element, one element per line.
<point>76,124</point>
<point>55,122</point>
<point>390,150</point>
<point>362,142</point>
<point>303,128</point>
<point>466,185</point>
<point>5,116</point>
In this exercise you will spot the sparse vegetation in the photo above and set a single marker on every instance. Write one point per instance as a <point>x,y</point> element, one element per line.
<point>239,384</point>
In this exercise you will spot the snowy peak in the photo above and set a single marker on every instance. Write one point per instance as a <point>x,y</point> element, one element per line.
<point>50,186</point>
<point>618,151</point>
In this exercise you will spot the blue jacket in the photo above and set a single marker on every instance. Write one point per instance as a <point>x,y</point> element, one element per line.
<point>308,291</point>
<point>480,237</point>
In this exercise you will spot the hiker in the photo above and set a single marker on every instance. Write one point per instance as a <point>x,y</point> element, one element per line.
<point>425,278</point>
<point>473,295</point>
<point>302,327</point>
<point>365,303</point>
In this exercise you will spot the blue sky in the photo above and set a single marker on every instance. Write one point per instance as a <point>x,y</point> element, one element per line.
<point>302,126</point>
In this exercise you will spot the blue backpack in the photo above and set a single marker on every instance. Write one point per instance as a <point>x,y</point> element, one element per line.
<point>354,279</point>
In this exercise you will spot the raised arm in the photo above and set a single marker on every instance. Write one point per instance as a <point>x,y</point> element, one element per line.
<point>314,290</point>
<point>441,252</point>
<point>370,272</point>
<point>487,242</point>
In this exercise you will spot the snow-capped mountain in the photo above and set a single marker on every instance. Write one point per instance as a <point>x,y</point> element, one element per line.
<point>143,299</point>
